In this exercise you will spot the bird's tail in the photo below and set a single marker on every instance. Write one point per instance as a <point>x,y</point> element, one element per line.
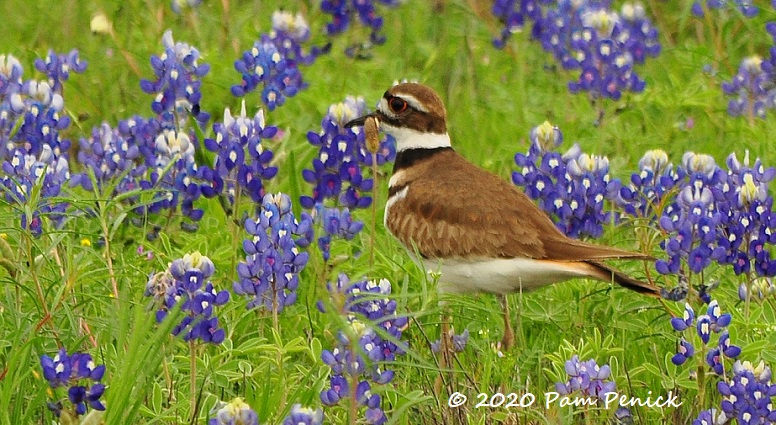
<point>609,274</point>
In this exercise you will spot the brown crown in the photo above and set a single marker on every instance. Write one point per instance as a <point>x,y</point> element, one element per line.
<point>426,111</point>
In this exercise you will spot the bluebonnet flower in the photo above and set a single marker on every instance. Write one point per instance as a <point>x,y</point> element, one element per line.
<point>343,12</point>
<point>361,353</point>
<point>571,187</point>
<point>337,172</point>
<point>746,7</point>
<point>637,34</point>
<point>265,65</point>
<point>177,84</point>
<point>185,283</point>
<point>80,375</point>
<point>713,321</point>
<point>177,177</point>
<point>270,273</point>
<point>178,6</point>
<point>32,151</point>
<point>513,15</point>
<point>164,164</point>
<point>747,218</point>
<point>587,377</point>
<point>603,45</point>
<point>750,90</point>
<point>335,223</point>
<point>150,155</point>
<point>110,154</point>
<point>273,61</point>
<point>242,161</point>
<point>459,342</point>
<point>692,220</point>
<point>650,187</point>
<point>716,216</point>
<point>303,416</point>
<point>289,32</point>
<point>760,289</point>
<point>748,396</point>
<point>622,416</point>
<point>236,412</point>
<point>11,72</point>
<point>710,417</point>
<point>59,66</point>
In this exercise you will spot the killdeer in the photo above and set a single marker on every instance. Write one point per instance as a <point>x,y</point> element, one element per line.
<point>478,230</point>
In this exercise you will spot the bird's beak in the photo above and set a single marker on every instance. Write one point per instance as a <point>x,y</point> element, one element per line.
<point>358,122</point>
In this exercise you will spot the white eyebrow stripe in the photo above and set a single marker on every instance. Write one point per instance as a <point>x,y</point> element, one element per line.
<point>414,102</point>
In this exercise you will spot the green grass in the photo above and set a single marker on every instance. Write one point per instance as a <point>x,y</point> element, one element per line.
<point>493,98</point>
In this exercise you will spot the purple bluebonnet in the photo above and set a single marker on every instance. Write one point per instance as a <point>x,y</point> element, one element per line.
<point>622,416</point>
<point>289,33</point>
<point>747,216</point>
<point>513,14</point>
<point>708,215</point>
<point>603,45</point>
<point>272,64</point>
<point>748,395</point>
<point>335,224</point>
<point>150,155</point>
<point>760,288</point>
<point>303,416</point>
<point>750,91</point>
<point>459,342</point>
<point>185,283</point>
<point>362,353</point>
<point>59,66</point>
<point>236,412</point>
<point>269,276</point>
<point>702,327</point>
<point>32,151</point>
<point>637,34</point>
<point>177,84</point>
<point>80,375</point>
<point>112,153</point>
<point>173,175</point>
<point>711,417</point>
<point>650,187</point>
<point>692,220</point>
<point>156,155</point>
<point>344,12</point>
<point>338,170</point>
<point>178,6</point>
<point>242,159</point>
<point>745,7</point>
<point>587,378</point>
<point>571,187</point>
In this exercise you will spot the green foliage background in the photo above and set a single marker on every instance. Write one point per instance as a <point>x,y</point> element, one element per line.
<point>493,97</point>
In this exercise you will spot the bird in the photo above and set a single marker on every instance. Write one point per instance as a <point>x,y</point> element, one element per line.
<point>479,231</point>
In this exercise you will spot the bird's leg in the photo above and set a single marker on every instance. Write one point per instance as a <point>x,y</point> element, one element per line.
<point>445,340</point>
<point>445,348</point>
<point>509,336</point>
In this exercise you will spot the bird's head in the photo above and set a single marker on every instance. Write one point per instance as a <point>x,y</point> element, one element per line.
<point>413,114</point>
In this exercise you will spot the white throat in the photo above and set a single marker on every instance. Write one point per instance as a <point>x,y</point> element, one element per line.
<point>407,138</point>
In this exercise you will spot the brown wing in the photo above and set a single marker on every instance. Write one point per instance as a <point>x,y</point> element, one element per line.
<point>455,209</point>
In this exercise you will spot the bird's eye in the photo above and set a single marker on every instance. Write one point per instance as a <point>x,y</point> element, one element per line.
<point>397,105</point>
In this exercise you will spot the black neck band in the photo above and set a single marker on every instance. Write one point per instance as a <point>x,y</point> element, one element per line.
<point>408,157</point>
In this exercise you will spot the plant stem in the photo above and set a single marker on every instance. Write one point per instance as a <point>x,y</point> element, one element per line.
<point>193,378</point>
<point>374,210</point>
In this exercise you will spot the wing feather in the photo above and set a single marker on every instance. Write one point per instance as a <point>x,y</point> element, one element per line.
<point>455,209</point>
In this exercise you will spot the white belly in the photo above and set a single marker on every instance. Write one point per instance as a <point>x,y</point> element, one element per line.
<point>500,276</point>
